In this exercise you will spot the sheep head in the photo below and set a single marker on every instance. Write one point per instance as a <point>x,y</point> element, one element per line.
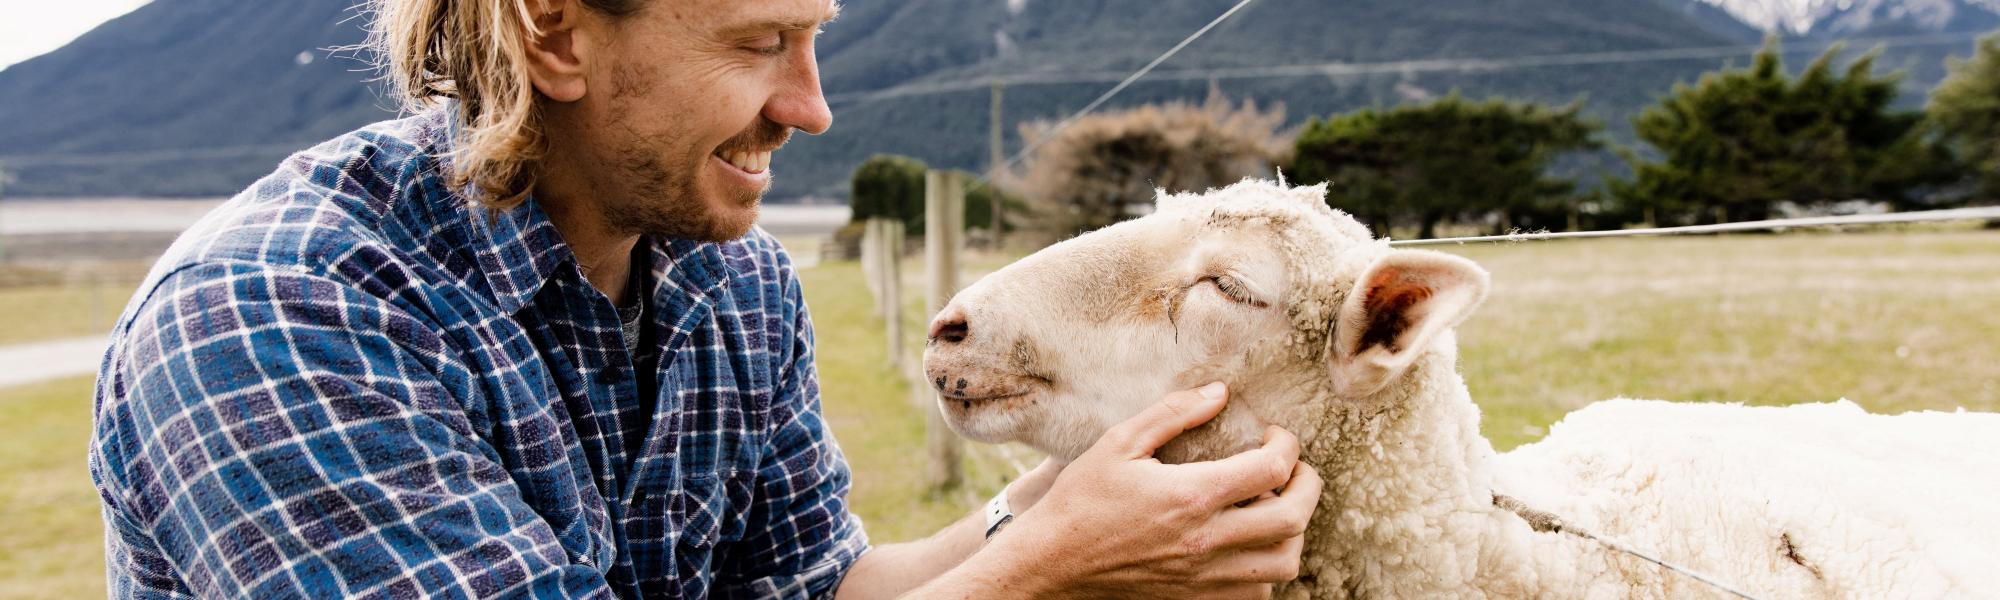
<point>1258,285</point>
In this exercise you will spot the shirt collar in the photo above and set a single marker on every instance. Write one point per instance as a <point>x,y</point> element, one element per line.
<point>519,249</point>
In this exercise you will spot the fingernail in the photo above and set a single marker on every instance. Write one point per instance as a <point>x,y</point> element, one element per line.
<point>1213,391</point>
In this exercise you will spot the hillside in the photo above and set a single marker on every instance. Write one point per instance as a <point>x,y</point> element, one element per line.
<point>183,98</point>
<point>198,97</point>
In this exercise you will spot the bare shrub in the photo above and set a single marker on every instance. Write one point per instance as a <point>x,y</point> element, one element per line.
<point>1099,169</point>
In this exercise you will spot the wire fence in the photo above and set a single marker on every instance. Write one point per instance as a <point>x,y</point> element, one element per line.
<point>1924,216</point>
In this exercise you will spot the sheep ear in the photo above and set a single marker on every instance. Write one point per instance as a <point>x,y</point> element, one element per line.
<point>1397,309</point>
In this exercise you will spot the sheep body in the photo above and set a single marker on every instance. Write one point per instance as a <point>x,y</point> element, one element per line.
<point>1816,499</point>
<point>1806,501</point>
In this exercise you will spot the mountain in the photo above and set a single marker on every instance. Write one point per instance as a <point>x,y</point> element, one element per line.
<point>1834,17</point>
<point>198,97</point>
<point>183,98</point>
<point>1919,34</point>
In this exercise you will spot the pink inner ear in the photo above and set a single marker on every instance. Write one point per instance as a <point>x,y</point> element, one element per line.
<point>1392,294</point>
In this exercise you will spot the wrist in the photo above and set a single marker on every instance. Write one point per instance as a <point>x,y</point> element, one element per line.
<point>1011,566</point>
<point>1028,489</point>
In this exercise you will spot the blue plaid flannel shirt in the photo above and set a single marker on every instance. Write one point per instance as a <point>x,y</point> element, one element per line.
<point>348,382</point>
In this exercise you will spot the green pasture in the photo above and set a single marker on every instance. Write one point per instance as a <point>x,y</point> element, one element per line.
<point>1894,321</point>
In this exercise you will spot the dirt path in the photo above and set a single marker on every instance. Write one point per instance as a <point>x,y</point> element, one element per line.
<point>22,364</point>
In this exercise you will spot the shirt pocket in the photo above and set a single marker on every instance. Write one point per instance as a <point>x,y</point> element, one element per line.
<point>712,509</point>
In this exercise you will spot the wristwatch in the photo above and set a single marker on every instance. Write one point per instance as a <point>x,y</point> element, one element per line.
<point>998,514</point>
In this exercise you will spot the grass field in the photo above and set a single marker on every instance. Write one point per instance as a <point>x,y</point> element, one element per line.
<point>1893,321</point>
<point>43,312</point>
<point>51,539</point>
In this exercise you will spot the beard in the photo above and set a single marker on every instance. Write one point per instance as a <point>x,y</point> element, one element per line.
<point>666,200</point>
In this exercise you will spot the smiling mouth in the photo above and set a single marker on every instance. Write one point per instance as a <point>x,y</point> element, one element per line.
<point>750,161</point>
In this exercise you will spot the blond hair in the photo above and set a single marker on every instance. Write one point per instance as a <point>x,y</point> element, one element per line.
<point>476,52</point>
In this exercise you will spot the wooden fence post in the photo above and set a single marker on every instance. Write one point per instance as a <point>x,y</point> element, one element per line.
<point>871,263</point>
<point>944,235</point>
<point>889,269</point>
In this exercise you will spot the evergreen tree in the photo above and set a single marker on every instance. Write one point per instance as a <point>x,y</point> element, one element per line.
<point>1964,115</point>
<point>1449,158</point>
<point>890,187</point>
<point>1737,142</point>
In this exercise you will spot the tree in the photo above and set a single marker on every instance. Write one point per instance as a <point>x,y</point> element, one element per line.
<point>1737,142</point>
<point>979,198</point>
<point>1964,118</point>
<point>1092,173</point>
<point>890,187</point>
<point>1451,157</point>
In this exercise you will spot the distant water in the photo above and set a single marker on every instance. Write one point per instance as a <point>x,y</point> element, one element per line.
<point>138,215</point>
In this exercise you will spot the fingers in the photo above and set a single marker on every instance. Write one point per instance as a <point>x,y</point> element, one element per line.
<point>1272,563</point>
<point>1251,473</point>
<point>1272,520</point>
<point>1141,435</point>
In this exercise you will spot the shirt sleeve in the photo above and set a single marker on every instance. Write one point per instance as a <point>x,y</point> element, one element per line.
<point>800,539</point>
<point>265,433</point>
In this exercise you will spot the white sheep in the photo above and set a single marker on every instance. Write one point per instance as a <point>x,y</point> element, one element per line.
<point>1347,343</point>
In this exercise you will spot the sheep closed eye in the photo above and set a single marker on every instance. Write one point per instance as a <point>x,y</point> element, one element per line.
<point>1234,290</point>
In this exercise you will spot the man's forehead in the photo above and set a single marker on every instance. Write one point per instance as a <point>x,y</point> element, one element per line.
<point>776,15</point>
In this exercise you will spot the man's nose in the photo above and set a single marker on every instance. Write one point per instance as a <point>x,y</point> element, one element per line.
<point>799,103</point>
<point>950,326</point>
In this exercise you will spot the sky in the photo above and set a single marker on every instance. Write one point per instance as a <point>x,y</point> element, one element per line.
<point>34,27</point>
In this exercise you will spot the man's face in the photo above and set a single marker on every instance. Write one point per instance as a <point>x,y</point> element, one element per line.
<point>687,100</point>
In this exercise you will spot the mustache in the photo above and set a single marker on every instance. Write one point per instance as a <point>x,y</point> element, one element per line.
<point>759,136</point>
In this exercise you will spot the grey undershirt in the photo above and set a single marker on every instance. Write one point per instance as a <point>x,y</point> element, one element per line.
<point>629,318</point>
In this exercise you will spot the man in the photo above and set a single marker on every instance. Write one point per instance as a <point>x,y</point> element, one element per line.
<point>528,343</point>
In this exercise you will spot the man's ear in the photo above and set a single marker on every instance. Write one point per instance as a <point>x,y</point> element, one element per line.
<point>555,54</point>
<point>1396,310</point>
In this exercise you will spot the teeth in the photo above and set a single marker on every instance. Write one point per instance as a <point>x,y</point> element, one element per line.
<point>754,162</point>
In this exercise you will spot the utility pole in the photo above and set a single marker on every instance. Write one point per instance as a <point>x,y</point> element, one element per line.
<point>944,237</point>
<point>994,159</point>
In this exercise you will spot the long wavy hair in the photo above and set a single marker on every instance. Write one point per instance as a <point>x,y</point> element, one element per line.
<point>475,52</point>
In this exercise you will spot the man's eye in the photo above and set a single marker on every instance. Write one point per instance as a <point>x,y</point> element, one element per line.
<point>770,44</point>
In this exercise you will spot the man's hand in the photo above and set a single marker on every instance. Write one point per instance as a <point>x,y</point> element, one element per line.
<point>1118,522</point>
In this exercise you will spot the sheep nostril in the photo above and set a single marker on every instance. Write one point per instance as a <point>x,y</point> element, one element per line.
<point>951,329</point>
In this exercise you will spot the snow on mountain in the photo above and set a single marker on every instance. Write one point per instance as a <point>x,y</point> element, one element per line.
<point>1799,17</point>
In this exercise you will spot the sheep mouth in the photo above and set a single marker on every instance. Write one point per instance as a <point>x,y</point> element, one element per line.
<point>968,400</point>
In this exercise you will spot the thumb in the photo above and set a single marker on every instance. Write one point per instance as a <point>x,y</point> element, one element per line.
<point>1141,435</point>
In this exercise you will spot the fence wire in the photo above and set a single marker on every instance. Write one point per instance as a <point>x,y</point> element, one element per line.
<point>1922,216</point>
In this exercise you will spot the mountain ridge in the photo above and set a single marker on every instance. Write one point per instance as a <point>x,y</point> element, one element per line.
<point>174,86</point>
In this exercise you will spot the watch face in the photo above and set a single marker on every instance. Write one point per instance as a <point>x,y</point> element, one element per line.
<point>995,528</point>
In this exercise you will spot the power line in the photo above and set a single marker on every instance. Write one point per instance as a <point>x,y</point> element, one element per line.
<point>1398,67</point>
<point>1922,216</point>
<point>1101,98</point>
